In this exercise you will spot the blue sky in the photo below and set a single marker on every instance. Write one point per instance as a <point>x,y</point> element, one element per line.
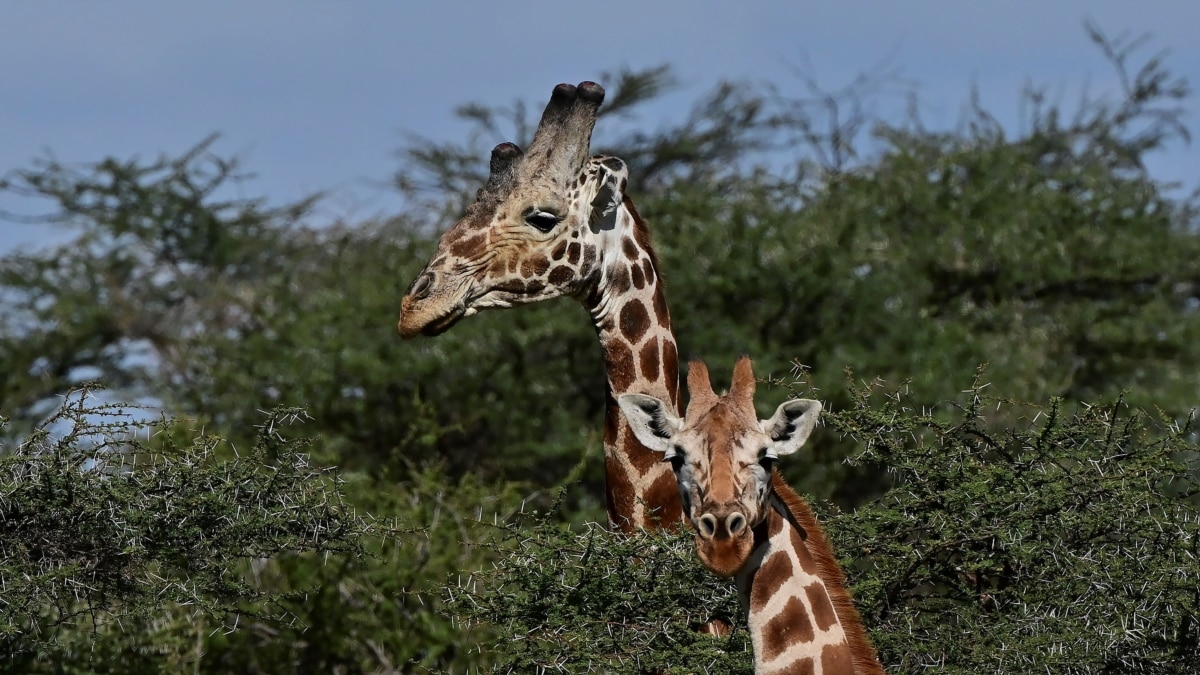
<point>317,95</point>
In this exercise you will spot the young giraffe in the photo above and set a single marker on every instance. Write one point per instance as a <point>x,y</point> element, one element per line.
<point>750,525</point>
<point>550,223</point>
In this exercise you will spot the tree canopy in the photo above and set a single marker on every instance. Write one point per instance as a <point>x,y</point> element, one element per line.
<point>434,494</point>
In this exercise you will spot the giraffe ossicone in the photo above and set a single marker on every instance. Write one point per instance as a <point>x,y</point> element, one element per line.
<point>750,525</point>
<point>552,222</point>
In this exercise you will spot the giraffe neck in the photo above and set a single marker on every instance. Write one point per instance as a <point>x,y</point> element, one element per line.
<point>629,310</point>
<point>799,614</point>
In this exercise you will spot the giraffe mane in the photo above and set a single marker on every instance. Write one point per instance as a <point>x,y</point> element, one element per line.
<point>641,233</point>
<point>799,512</point>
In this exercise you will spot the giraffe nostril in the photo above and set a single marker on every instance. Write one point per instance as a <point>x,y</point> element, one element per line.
<point>707,525</point>
<point>736,522</point>
<point>421,286</point>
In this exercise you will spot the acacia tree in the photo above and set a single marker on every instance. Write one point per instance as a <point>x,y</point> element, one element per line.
<point>108,521</point>
<point>1049,542</point>
<point>1059,541</point>
<point>1050,253</point>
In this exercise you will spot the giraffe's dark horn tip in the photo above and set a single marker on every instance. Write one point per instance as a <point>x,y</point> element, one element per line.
<point>505,151</point>
<point>563,93</point>
<point>591,92</point>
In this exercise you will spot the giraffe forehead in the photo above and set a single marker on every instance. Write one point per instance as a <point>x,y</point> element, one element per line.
<point>722,438</point>
<point>726,430</point>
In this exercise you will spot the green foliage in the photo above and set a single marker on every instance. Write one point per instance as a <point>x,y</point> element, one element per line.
<point>1060,542</point>
<point>111,519</point>
<point>1065,543</point>
<point>560,600</point>
<point>380,612</point>
<point>157,266</point>
<point>913,256</point>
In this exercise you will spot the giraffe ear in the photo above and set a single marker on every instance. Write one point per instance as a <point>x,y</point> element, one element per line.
<point>610,190</point>
<point>651,421</point>
<point>791,425</point>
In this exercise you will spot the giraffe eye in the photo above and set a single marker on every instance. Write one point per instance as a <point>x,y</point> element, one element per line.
<point>677,457</point>
<point>543,221</point>
<point>766,459</point>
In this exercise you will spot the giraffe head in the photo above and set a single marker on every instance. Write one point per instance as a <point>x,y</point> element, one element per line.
<point>534,230</point>
<point>723,456</point>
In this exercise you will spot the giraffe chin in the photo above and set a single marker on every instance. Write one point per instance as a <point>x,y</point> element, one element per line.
<point>724,557</point>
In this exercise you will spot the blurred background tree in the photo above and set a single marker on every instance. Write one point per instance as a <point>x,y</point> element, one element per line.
<point>791,223</point>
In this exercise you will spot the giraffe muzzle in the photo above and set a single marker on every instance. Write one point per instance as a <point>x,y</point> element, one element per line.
<point>716,526</point>
<point>432,305</point>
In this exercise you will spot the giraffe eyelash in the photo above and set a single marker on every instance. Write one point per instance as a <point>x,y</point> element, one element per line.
<point>542,221</point>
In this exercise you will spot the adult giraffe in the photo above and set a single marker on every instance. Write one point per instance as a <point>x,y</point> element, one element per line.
<point>750,525</point>
<point>551,222</point>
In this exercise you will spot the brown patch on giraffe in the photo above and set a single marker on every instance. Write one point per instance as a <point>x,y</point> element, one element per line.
<point>837,658</point>
<point>663,496</point>
<point>774,523</point>
<point>560,275</point>
<point>619,493</point>
<point>670,367</point>
<point>806,560</point>
<point>790,626</point>
<point>559,250</point>
<point>612,420</point>
<point>469,247</point>
<point>573,252</point>
<point>589,257</point>
<point>640,458</point>
<point>822,609</point>
<point>670,356</point>
<point>716,627</point>
<point>768,578</point>
<point>512,286</point>
<point>660,308</point>
<point>535,266</point>
<point>642,233</point>
<point>619,282</point>
<point>630,248</point>
<point>619,360</point>
<point>511,264</point>
<point>648,360</point>
<point>534,286</point>
<point>634,321</point>
<point>805,666</point>
<point>639,279</point>
<point>648,269</point>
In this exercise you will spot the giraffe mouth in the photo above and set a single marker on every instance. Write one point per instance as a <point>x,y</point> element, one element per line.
<point>446,321</point>
<point>435,315</point>
<point>724,557</point>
